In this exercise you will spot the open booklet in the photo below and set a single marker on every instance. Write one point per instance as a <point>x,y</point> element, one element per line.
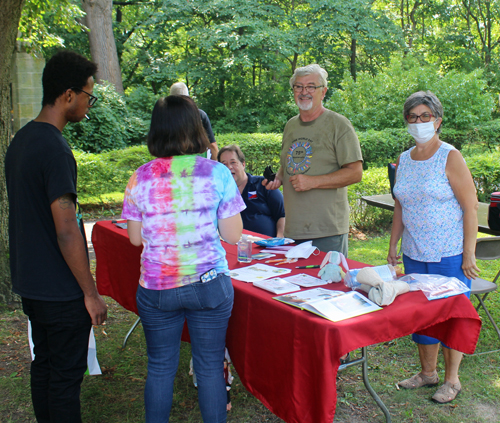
<point>332,305</point>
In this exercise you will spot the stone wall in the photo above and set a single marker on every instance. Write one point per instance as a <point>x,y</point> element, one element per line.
<point>26,88</point>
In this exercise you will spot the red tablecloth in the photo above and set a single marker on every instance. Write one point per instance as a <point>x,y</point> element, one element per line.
<point>286,357</point>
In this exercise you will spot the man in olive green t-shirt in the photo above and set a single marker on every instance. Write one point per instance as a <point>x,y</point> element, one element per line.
<point>320,157</point>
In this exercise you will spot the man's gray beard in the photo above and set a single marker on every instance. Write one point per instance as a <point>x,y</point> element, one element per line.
<point>305,107</point>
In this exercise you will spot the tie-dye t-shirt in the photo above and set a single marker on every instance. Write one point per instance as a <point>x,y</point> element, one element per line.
<point>178,200</point>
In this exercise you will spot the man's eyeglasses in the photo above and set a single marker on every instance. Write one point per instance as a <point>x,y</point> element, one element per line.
<point>309,88</point>
<point>424,117</point>
<point>92,98</point>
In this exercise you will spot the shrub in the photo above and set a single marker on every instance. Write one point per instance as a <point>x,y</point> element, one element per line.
<point>382,147</point>
<point>362,216</point>
<point>107,172</point>
<point>260,150</point>
<point>485,170</point>
<point>376,102</point>
<point>110,126</point>
<point>140,102</point>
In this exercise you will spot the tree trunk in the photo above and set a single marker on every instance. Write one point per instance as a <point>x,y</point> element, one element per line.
<point>353,59</point>
<point>102,41</point>
<point>10,13</point>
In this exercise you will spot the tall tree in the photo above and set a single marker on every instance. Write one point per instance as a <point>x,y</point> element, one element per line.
<point>102,41</point>
<point>10,13</point>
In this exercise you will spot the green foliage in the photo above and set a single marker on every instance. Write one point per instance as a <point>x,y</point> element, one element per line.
<point>260,150</point>
<point>385,146</point>
<point>362,216</point>
<point>111,125</point>
<point>376,102</point>
<point>100,174</point>
<point>265,109</point>
<point>42,21</point>
<point>140,102</point>
<point>485,169</point>
<point>236,56</point>
<point>382,147</point>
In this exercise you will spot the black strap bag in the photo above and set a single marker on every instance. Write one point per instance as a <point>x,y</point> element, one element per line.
<point>494,212</point>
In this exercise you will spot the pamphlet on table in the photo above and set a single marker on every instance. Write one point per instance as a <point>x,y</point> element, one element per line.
<point>307,281</point>
<point>257,272</point>
<point>277,286</point>
<point>332,305</point>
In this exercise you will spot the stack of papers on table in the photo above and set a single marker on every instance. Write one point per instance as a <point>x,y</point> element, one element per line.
<point>277,286</point>
<point>307,281</point>
<point>332,305</point>
<point>257,272</point>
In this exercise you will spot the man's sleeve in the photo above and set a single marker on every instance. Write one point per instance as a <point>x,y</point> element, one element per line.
<point>347,147</point>
<point>207,125</point>
<point>275,203</point>
<point>60,176</point>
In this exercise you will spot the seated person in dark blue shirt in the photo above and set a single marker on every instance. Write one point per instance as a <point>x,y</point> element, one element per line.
<point>265,212</point>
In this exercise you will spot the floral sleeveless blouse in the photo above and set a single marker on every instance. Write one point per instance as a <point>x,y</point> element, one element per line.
<point>432,216</point>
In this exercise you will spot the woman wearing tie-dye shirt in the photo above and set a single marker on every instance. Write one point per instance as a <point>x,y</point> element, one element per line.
<point>176,206</point>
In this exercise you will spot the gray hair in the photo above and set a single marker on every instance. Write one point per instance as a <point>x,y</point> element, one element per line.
<point>427,98</point>
<point>235,149</point>
<point>179,88</point>
<point>308,70</point>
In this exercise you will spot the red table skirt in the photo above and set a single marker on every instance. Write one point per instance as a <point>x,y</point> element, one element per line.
<point>286,357</point>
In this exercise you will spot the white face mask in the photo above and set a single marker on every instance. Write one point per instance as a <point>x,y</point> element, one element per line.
<point>421,132</point>
<point>303,250</point>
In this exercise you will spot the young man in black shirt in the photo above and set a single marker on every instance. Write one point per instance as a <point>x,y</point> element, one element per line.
<point>48,251</point>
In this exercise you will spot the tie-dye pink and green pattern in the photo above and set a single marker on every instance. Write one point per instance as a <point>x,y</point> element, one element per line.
<point>178,200</point>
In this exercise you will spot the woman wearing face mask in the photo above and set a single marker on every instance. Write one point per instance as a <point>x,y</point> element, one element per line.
<point>436,215</point>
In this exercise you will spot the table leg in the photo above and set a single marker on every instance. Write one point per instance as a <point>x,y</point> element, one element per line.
<point>364,363</point>
<point>130,332</point>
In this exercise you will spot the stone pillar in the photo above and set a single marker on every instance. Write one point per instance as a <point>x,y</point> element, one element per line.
<point>26,88</point>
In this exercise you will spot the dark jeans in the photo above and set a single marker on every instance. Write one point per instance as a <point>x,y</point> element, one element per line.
<point>60,332</point>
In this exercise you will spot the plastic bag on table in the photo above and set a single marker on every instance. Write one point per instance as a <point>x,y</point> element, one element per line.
<point>435,286</point>
<point>273,242</point>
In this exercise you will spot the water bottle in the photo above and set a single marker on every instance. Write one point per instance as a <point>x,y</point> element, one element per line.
<point>244,250</point>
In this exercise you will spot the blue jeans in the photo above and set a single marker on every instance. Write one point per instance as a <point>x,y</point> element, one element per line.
<point>448,266</point>
<point>207,308</point>
<point>60,332</point>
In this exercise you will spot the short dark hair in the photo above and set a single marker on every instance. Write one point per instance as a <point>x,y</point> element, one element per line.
<point>176,128</point>
<point>235,149</point>
<point>65,69</point>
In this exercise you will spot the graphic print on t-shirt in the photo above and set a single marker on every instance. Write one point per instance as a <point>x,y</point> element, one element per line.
<point>298,157</point>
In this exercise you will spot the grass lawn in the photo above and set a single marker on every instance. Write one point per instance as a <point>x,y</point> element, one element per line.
<point>117,395</point>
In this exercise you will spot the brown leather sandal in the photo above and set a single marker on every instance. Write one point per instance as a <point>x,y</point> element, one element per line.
<point>447,393</point>
<point>420,381</point>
